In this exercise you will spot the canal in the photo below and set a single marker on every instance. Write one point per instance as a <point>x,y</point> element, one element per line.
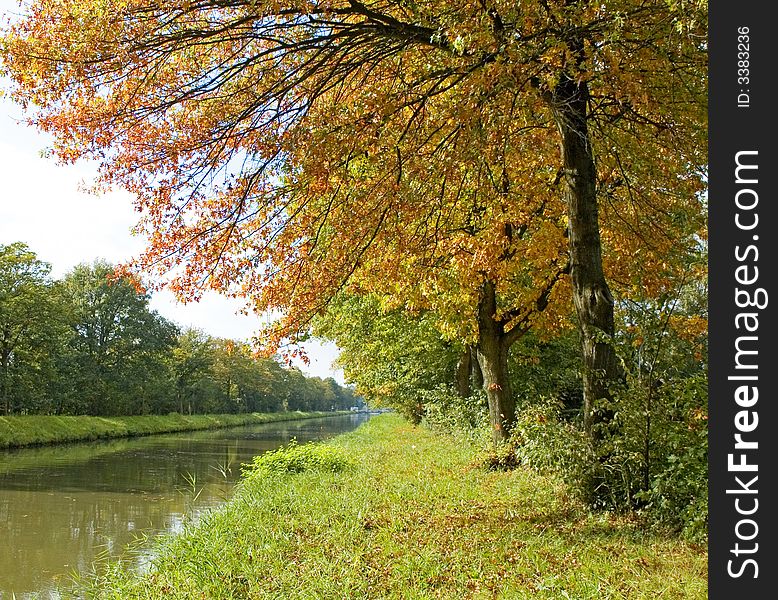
<point>64,507</point>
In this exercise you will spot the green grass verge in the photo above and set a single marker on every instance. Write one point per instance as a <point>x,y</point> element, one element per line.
<point>412,517</point>
<point>30,430</point>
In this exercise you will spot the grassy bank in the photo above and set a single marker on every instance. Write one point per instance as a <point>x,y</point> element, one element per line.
<point>412,518</point>
<point>31,430</point>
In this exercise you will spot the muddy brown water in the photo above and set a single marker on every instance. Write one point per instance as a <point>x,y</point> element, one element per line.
<point>64,507</point>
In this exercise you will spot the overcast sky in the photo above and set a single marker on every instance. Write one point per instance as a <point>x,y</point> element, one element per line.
<point>41,204</point>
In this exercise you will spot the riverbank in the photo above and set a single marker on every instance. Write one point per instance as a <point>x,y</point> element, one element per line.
<point>413,517</point>
<point>37,430</point>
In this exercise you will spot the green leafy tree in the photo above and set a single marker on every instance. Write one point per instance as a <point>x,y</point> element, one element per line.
<point>192,362</point>
<point>341,399</point>
<point>267,394</point>
<point>231,370</point>
<point>323,394</point>
<point>119,345</point>
<point>31,330</point>
<point>390,356</point>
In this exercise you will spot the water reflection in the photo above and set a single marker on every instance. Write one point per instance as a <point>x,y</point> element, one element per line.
<point>62,507</point>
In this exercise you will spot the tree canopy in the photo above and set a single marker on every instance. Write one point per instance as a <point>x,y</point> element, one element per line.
<point>118,343</point>
<point>31,324</point>
<point>391,357</point>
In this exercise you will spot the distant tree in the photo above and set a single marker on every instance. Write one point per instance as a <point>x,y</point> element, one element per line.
<point>192,366</point>
<point>32,330</point>
<point>230,370</point>
<point>267,395</point>
<point>323,395</point>
<point>223,375</point>
<point>299,395</point>
<point>120,347</point>
<point>341,399</point>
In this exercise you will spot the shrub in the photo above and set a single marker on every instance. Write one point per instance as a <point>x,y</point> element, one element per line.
<point>548,443</point>
<point>294,458</point>
<point>678,491</point>
<point>500,458</point>
<point>651,455</point>
<point>653,461</point>
<point>445,410</point>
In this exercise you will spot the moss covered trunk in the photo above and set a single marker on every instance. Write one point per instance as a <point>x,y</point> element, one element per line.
<point>492,352</point>
<point>591,295</point>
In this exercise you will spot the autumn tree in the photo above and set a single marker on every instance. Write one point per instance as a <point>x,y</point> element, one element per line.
<point>463,156</point>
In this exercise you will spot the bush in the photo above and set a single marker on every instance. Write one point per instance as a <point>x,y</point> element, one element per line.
<point>651,455</point>
<point>445,410</point>
<point>653,461</point>
<point>548,443</point>
<point>678,492</point>
<point>294,458</point>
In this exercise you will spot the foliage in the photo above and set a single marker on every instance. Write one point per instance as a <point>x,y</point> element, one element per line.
<point>393,358</point>
<point>401,360</point>
<point>664,342</point>
<point>191,364</point>
<point>654,452</point>
<point>678,490</point>
<point>31,326</point>
<point>318,140</point>
<point>676,494</point>
<point>412,519</point>
<point>89,344</point>
<point>543,367</point>
<point>293,458</point>
<point>282,152</point>
<point>118,344</point>
<point>445,410</point>
<point>552,445</point>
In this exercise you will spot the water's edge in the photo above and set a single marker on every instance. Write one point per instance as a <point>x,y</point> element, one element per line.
<point>64,506</point>
<point>26,431</point>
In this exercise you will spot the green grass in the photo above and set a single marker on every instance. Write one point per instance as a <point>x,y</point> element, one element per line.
<point>413,517</point>
<point>30,430</point>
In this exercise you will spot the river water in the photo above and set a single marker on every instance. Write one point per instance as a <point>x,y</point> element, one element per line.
<point>64,507</point>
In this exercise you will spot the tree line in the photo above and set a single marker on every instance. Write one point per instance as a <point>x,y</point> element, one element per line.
<point>88,344</point>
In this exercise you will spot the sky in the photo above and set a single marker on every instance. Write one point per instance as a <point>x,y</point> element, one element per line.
<point>43,205</point>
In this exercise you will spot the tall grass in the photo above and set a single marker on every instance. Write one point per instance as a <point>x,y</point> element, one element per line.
<point>413,516</point>
<point>29,430</point>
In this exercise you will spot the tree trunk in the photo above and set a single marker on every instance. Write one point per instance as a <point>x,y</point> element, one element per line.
<point>591,295</point>
<point>464,367</point>
<point>477,377</point>
<point>492,354</point>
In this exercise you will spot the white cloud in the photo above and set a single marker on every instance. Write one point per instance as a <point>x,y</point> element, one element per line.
<point>42,206</point>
